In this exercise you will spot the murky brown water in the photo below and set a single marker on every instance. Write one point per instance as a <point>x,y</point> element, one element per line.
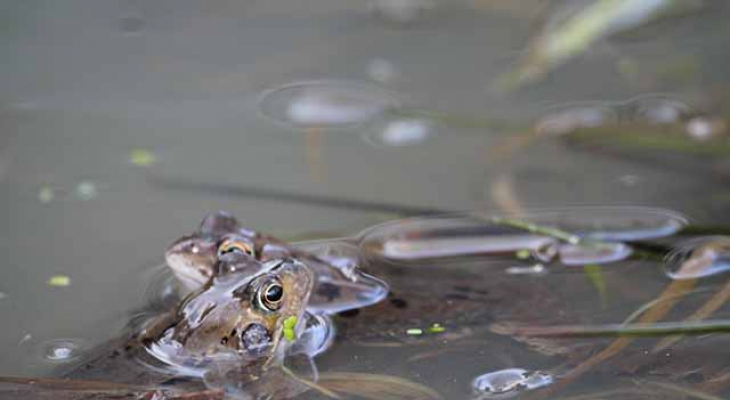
<point>122,123</point>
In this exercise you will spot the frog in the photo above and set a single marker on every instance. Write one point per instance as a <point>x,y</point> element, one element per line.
<point>339,285</point>
<point>234,333</point>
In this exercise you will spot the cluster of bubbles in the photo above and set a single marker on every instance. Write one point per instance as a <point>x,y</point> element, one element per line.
<point>654,109</point>
<point>346,106</point>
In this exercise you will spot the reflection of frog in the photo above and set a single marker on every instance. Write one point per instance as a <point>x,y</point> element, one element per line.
<point>339,285</point>
<point>234,333</point>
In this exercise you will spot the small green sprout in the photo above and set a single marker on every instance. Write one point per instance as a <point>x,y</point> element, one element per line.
<point>289,326</point>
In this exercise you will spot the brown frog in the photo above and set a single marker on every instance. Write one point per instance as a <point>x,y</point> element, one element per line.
<point>339,284</point>
<point>232,334</point>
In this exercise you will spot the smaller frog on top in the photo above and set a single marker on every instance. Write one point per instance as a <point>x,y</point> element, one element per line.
<point>339,284</point>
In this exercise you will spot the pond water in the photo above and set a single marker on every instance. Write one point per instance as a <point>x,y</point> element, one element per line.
<point>124,122</point>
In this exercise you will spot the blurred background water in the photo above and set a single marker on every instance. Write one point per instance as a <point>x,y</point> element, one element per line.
<point>122,122</point>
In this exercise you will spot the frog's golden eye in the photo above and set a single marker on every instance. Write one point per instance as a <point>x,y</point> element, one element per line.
<point>235,246</point>
<point>270,295</point>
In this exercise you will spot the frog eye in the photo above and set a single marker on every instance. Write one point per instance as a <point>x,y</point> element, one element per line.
<point>235,246</point>
<point>270,295</point>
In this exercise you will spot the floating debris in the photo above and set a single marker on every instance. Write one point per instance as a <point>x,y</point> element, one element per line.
<point>436,328</point>
<point>326,104</point>
<point>62,350</point>
<point>402,132</point>
<point>414,331</point>
<point>508,382</point>
<point>699,258</point>
<point>573,30</point>
<point>142,157</point>
<point>59,281</point>
<point>86,190</point>
<point>46,194</point>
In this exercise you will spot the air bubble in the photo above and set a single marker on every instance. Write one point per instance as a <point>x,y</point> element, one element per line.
<point>326,104</point>
<point>62,350</point>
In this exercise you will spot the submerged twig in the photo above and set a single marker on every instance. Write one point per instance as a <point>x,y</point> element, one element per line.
<point>666,301</point>
<point>712,305</point>
<point>376,387</point>
<point>691,393</point>
<point>630,330</point>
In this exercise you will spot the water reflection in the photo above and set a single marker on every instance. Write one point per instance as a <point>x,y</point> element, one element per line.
<point>325,104</point>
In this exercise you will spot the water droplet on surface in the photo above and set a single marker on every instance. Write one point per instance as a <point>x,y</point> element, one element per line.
<point>508,382</point>
<point>593,253</point>
<point>326,104</point>
<point>697,258</point>
<point>401,132</point>
<point>85,190</point>
<point>62,350</point>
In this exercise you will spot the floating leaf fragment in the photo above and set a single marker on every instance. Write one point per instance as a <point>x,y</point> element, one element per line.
<point>59,281</point>
<point>436,328</point>
<point>142,157</point>
<point>46,194</point>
